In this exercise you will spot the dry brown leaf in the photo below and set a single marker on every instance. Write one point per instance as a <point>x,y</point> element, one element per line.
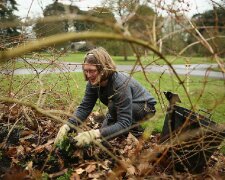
<point>90,168</point>
<point>214,158</point>
<point>29,167</point>
<point>12,151</point>
<point>39,149</point>
<point>15,160</point>
<point>105,164</point>
<point>49,147</point>
<point>27,149</point>
<point>20,150</point>
<point>34,145</point>
<point>95,114</point>
<point>16,174</point>
<point>24,142</point>
<point>36,174</point>
<point>58,173</point>
<point>131,170</point>
<point>132,140</point>
<point>42,147</point>
<point>143,167</point>
<point>75,176</point>
<point>14,111</point>
<point>79,170</point>
<point>95,175</point>
<point>26,134</point>
<point>78,153</point>
<point>61,162</point>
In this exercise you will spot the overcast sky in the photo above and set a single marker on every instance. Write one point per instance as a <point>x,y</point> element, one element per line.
<point>35,8</point>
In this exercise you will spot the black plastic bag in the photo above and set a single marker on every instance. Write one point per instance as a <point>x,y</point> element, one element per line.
<point>192,139</point>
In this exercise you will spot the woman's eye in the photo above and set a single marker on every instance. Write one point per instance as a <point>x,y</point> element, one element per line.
<point>90,71</point>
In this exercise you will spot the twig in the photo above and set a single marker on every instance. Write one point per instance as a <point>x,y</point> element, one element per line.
<point>60,173</point>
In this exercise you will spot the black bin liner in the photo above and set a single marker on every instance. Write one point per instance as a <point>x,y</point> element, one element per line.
<point>200,142</point>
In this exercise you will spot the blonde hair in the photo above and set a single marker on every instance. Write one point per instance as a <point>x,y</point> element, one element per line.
<point>103,61</point>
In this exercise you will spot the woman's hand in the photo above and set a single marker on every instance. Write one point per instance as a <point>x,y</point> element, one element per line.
<point>87,137</point>
<point>63,131</point>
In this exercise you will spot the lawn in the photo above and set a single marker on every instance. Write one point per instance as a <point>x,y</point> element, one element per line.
<point>65,91</point>
<point>51,61</point>
<point>79,56</point>
<point>150,59</point>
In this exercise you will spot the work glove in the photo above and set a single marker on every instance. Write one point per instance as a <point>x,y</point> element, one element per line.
<point>87,137</point>
<point>63,131</point>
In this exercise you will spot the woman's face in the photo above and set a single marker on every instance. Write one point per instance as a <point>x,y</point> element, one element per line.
<point>92,73</point>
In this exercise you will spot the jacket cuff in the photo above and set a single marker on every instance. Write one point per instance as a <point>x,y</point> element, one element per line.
<point>74,121</point>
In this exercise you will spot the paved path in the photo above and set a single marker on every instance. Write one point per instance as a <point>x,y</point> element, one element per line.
<point>193,70</point>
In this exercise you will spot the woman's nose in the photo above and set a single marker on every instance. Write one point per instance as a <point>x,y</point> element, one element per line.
<point>88,74</point>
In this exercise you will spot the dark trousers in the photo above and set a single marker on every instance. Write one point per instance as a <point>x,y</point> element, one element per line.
<point>140,111</point>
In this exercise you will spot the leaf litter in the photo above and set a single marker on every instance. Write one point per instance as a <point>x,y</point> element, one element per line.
<point>29,153</point>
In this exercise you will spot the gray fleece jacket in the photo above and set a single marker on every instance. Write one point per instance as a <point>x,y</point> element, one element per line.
<point>122,91</point>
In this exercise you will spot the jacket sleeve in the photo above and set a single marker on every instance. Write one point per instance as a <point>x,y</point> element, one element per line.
<point>86,106</point>
<point>123,103</point>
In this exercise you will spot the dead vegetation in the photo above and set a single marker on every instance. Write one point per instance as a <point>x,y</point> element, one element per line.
<point>28,153</point>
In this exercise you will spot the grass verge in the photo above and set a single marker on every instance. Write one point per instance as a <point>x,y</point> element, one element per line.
<point>65,91</point>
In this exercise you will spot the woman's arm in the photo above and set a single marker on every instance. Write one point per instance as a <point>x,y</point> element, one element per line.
<point>86,106</point>
<point>122,100</point>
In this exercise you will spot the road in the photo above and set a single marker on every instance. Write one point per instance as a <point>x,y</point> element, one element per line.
<point>192,70</point>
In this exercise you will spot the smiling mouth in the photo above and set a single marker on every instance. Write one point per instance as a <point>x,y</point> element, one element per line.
<point>92,80</point>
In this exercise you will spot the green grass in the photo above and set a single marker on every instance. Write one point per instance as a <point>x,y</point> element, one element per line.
<point>78,57</point>
<point>11,64</point>
<point>25,65</point>
<point>60,90</point>
<point>207,95</point>
<point>119,60</point>
<point>217,69</point>
<point>65,91</point>
<point>150,59</point>
<point>73,57</point>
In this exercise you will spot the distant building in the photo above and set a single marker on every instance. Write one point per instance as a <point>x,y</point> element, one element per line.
<point>75,46</point>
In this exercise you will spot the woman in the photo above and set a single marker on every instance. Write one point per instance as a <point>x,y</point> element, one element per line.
<point>128,102</point>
